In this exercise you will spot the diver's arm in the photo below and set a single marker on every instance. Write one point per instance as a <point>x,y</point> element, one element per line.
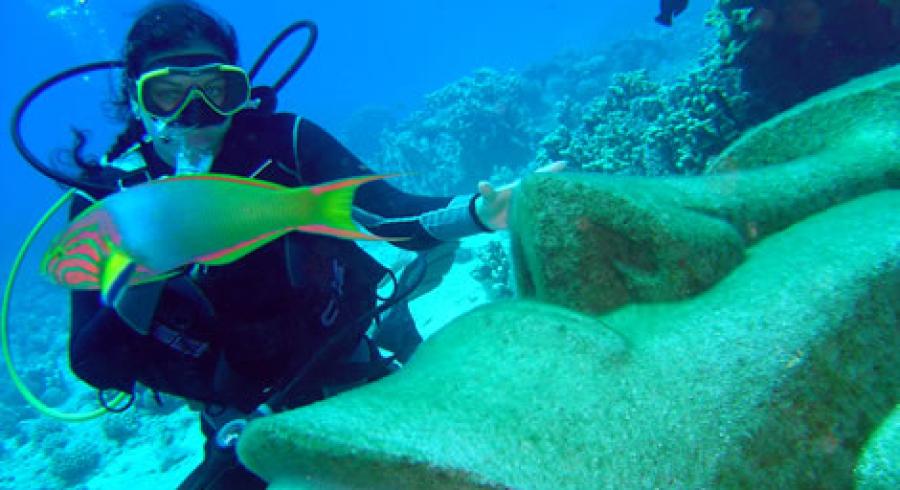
<point>100,344</point>
<point>382,208</point>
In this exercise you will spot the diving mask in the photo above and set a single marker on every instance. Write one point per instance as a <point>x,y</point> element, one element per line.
<point>165,93</point>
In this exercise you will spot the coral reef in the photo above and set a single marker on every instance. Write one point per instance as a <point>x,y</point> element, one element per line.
<point>642,127</point>
<point>581,76</point>
<point>466,128</point>
<point>39,429</point>
<point>791,49</point>
<point>75,461</point>
<point>490,123</point>
<point>613,119</point>
<point>71,455</point>
<point>120,427</point>
<point>493,270</point>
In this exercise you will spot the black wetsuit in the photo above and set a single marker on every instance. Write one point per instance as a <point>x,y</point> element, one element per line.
<point>267,313</point>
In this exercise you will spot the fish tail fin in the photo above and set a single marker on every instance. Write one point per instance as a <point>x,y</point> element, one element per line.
<point>333,209</point>
<point>115,276</point>
<point>665,20</point>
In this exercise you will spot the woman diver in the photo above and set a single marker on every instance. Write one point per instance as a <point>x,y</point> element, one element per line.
<point>283,326</point>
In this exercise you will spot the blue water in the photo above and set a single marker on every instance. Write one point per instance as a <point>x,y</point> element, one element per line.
<point>369,53</point>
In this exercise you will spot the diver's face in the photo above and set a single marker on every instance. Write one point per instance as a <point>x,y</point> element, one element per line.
<point>195,129</point>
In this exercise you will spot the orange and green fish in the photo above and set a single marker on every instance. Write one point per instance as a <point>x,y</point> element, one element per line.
<point>145,233</point>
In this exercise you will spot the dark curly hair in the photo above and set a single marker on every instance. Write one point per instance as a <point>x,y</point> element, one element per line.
<point>173,24</point>
<point>162,26</point>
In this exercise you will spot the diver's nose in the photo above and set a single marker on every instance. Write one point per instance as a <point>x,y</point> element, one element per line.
<point>199,114</point>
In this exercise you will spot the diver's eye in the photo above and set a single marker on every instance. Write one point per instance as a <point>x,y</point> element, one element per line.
<point>167,98</point>
<point>215,91</point>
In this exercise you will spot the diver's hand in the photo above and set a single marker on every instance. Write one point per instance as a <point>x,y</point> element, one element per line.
<point>492,205</point>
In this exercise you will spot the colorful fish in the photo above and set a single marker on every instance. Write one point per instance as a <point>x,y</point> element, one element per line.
<point>145,233</point>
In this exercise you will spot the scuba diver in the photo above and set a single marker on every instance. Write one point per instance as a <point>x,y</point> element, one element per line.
<point>284,325</point>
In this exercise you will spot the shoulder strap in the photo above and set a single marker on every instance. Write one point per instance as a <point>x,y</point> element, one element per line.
<point>295,147</point>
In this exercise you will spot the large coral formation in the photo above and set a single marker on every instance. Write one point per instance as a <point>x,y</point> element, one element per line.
<point>644,127</point>
<point>791,49</point>
<point>612,119</point>
<point>492,123</point>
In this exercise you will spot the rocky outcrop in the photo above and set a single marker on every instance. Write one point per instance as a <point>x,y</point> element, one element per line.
<point>742,332</point>
<point>771,379</point>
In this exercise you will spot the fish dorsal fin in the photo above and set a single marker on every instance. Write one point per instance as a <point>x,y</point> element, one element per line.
<point>222,178</point>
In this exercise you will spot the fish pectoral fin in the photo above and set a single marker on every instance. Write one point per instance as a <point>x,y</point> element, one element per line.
<point>115,276</point>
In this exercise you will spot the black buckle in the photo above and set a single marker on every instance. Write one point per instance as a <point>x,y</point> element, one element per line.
<point>133,178</point>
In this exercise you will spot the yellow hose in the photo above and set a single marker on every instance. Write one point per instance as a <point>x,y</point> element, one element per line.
<point>4,330</point>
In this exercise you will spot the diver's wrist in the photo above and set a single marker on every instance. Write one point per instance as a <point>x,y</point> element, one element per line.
<point>479,212</point>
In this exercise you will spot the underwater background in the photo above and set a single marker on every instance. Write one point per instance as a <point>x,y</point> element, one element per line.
<point>448,92</point>
<point>386,55</point>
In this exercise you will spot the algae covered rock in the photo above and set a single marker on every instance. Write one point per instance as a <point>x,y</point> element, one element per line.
<point>858,120</point>
<point>594,242</point>
<point>434,421</point>
<point>769,379</point>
